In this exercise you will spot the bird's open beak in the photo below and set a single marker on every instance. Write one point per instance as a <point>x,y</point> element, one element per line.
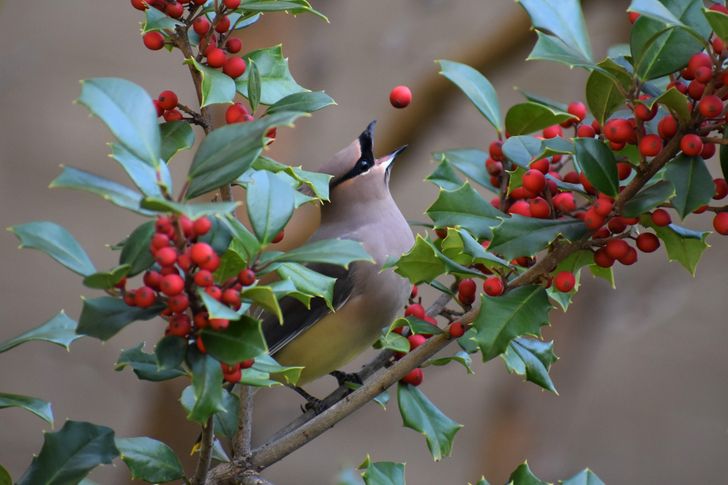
<point>388,160</point>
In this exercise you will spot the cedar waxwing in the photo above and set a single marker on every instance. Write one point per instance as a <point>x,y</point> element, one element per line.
<point>365,299</point>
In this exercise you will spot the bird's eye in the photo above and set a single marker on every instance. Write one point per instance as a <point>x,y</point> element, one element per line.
<point>363,164</point>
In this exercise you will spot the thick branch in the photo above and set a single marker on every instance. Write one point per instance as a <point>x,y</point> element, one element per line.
<point>243,437</point>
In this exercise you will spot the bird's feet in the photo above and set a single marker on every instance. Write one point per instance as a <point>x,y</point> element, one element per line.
<point>343,377</point>
<point>312,403</point>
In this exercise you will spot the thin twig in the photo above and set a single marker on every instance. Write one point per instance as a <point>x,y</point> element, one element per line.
<point>203,464</point>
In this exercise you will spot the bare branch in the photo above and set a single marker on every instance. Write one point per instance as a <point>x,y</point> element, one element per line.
<point>244,435</point>
<point>203,463</point>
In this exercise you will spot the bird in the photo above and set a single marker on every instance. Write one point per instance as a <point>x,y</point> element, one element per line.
<point>365,298</point>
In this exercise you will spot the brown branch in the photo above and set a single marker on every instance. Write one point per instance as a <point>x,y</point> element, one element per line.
<point>203,464</point>
<point>243,437</point>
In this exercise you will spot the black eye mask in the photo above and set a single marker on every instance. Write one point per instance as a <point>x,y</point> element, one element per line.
<point>365,162</point>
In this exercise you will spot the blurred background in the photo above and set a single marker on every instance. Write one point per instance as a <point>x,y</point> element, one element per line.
<point>643,370</point>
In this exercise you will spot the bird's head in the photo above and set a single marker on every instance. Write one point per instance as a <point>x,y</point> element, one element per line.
<point>356,174</point>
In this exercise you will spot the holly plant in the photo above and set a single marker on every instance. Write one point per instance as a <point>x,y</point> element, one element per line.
<point>574,186</point>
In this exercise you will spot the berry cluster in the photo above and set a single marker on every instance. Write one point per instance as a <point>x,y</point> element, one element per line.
<point>184,264</point>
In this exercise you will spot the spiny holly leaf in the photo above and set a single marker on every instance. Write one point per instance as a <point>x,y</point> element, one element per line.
<point>70,453</point>
<point>462,358</point>
<point>524,476</point>
<point>136,249</point>
<point>676,101</point>
<point>424,262</point>
<point>217,87</point>
<point>308,281</point>
<point>598,163</point>
<point>341,252</point>
<point>683,245</point>
<point>419,414</point>
<point>444,176</point>
<point>551,48</point>
<point>170,352</point>
<point>466,208</point>
<point>476,87</point>
<point>56,242</point>
<point>176,136</point>
<point>469,161</point>
<point>59,330</point>
<point>147,178</point>
<point>718,22</point>
<point>528,117</point>
<point>104,317</point>
<point>648,198</point>
<point>305,102</point>
<point>276,81</point>
<point>129,113</point>
<point>266,363</point>
<point>654,10</point>
<point>265,298</point>
<point>117,194</point>
<point>531,358</point>
<point>243,339</point>
<point>105,280</point>
<point>191,210</point>
<point>317,182</point>
<point>158,20</point>
<point>520,311</point>
<point>149,460</point>
<point>584,477</point>
<point>207,388</point>
<point>145,366</point>
<point>40,408</point>
<point>382,472</point>
<point>525,236</point>
<point>562,19</point>
<point>693,183</point>
<point>270,204</point>
<point>604,89</point>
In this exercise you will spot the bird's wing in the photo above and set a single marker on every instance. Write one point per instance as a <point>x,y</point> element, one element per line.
<point>297,318</point>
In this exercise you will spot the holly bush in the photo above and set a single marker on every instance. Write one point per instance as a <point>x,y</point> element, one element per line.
<point>577,186</point>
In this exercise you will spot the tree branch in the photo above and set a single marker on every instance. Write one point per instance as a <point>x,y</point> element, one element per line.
<point>203,463</point>
<point>243,437</point>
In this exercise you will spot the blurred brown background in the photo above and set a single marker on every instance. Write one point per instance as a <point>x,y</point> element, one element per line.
<point>642,376</point>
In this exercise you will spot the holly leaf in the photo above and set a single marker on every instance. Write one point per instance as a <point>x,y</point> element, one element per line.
<point>531,359</point>
<point>598,163</point>
<point>40,408</point>
<point>692,181</point>
<point>476,87</point>
<point>105,280</point>
<point>340,252</point>
<point>584,477</point>
<point>676,101</point>
<point>520,311</point>
<point>382,472</point>
<point>562,19</point>
<point>135,252</point>
<point>524,476</point>
<point>528,117</point>
<point>525,236</point>
<point>308,281</point>
<point>276,81</point>
<point>59,330</point>
<point>604,89</point>
<point>157,20</point>
<point>144,365</point>
<point>226,423</point>
<point>266,363</point>
<point>419,414</point>
<point>170,352</point>
<point>176,136</point>
<point>466,208</point>
<point>56,242</point>
<point>551,48</point>
<point>206,387</point>
<point>682,245</point>
<point>648,198</point>
<point>462,358</point>
<point>104,317</point>
<point>303,102</point>
<point>191,210</point>
<point>69,454</point>
<point>243,339</point>
<point>146,177</point>
<point>444,176</point>
<point>718,22</point>
<point>270,204</point>
<point>217,87</point>
<point>264,297</point>
<point>469,161</point>
<point>149,460</point>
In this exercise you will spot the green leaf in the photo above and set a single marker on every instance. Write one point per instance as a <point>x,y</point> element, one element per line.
<point>146,177</point>
<point>693,183</point>
<point>149,460</point>
<point>266,363</point>
<point>682,245</point>
<point>70,453</point>
<point>244,241</point>
<point>528,117</point>
<point>462,358</point>
<point>531,359</point>
<point>207,388</point>
<point>264,297</point>
<point>444,176</point>
<point>340,252</point>
<point>676,101</point>
<point>276,81</point>
<point>393,341</point>
<point>145,365</point>
<point>718,22</point>
<point>226,422</point>
<point>129,113</point>
<point>603,95</point>
<point>191,210</point>
<point>584,477</point>
<point>551,48</point>
<point>466,208</point>
<point>469,161</point>
<point>524,476</point>
<point>253,86</point>
<point>382,472</point>
<point>176,136</point>
<point>658,49</point>
<point>5,478</point>
<point>293,6</point>
<point>305,102</point>
<point>40,408</point>
<point>598,163</point>
<point>563,19</point>
<point>170,352</point>
<point>229,151</point>
<point>522,150</point>
<point>59,330</point>
<point>421,415</point>
<point>105,280</point>
<point>308,281</point>
<point>270,204</point>
<point>215,309</point>
<point>136,249</point>
<point>476,87</point>
<point>422,263</point>
<point>648,198</point>
<point>56,242</point>
<point>520,311</point>
<point>158,20</point>
<point>318,183</point>
<point>243,339</point>
<point>256,378</point>
<point>117,194</point>
<point>654,10</point>
<point>105,316</point>
<point>217,87</point>
<point>525,236</point>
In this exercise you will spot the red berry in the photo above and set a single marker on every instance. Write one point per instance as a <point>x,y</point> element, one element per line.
<point>592,220</point>
<point>696,89</point>
<point>539,208</point>
<point>564,281</point>
<point>179,326</point>
<point>629,258</point>
<point>710,106</point>
<point>144,297</point>
<point>618,130</point>
<point>691,144</point>
<point>708,150</point>
<point>667,127</point>
<point>231,297</point>
<point>721,189</point>
<point>617,248</point>
<point>466,291</point>
<point>200,345</point>
<point>521,208</point>
<point>234,376</point>
<point>603,207</point>
<point>173,115</point>
<point>215,57</point>
<point>211,264</point>
<point>552,131</point>
<point>203,278</point>
<point>617,225</point>
<point>174,10</point>
<point>718,44</point>
<point>201,226</point>
<point>633,16</point>
<point>647,242</point>
<point>231,4</point>
<point>720,223</point>
<point>152,279</point>
<point>534,181</point>
<point>703,74</point>
<point>624,170</point>
<point>586,183</point>
<point>246,277</point>
<point>414,377</point>
<point>201,25</point>
<point>166,256</point>
<point>717,7</point>
<point>602,259</point>
<point>159,241</point>
<point>644,113</point>
<point>139,4</point>
<point>178,303</point>
<point>493,167</point>
<point>698,60</point>
<point>234,67</point>
<point>413,292</point>
<point>661,218</point>
<point>585,131</point>
<point>416,340</point>
<point>493,286</point>
<point>278,237</point>
<point>233,45</point>
<point>564,202</point>
<point>172,284</point>
<point>496,150</point>
<point>236,113</point>
<point>650,145</point>
<point>201,253</point>
<point>577,109</point>
<point>222,24</point>
<point>247,363</point>
<point>219,323</point>
<point>153,40</point>
<point>456,330</point>
<point>400,96</point>
<point>415,310</point>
